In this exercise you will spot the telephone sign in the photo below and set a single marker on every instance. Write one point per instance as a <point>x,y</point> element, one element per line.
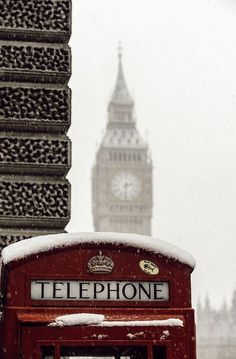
<point>99,290</point>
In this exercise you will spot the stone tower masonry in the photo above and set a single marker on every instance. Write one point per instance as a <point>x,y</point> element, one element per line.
<point>35,67</point>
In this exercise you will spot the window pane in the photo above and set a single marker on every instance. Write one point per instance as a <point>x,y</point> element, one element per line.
<point>47,352</point>
<point>104,352</point>
<point>159,352</point>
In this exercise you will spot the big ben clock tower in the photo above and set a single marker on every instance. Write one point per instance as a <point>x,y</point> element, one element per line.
<point>122,174</point>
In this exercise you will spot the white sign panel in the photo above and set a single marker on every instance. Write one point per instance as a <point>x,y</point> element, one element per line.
<point>96,290</point>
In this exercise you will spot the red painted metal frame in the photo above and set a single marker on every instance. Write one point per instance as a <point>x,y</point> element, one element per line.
<point>57,344</point>
<point>27,319</point>
<point>149,344</point>
<point>171,271</point>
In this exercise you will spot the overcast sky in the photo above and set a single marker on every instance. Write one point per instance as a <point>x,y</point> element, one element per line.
<point>179,60</point>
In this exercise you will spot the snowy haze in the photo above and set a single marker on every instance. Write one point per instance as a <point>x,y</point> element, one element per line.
<point>179,61</point>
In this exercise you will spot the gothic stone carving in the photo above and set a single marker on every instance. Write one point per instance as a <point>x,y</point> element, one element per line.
<point>35,67</point>
<point>13,236</point>
<point>9,239</point>
<point>36,63</point>
<point>34,154</point>
<point>35,20</point>
<point>31,108</point>
<point>34,203</point>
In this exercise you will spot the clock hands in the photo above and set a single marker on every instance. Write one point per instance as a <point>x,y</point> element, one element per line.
<point>126,186</point>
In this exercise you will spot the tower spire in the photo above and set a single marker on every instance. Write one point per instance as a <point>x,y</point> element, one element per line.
<point>121,95</point>
<point>120,51</point>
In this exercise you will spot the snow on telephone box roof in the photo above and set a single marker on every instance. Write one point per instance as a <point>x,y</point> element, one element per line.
<point>42,244</point>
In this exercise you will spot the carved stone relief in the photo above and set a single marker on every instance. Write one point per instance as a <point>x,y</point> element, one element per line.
<point>31,199</point>
<point>37,20</point>
<point>38,104</point>
<point>31,14</point>
<point>35,154</point>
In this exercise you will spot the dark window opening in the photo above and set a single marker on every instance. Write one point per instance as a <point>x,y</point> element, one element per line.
<point>47,352</point>
<point>159,352</point>
<point>105,352</point>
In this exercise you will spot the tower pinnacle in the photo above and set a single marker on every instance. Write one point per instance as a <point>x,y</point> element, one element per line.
<point>120,51</point>
<point>121,95</point>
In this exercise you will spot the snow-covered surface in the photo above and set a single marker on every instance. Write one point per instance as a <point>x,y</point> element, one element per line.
<point>135,335</point>
<point>77,319</point>
<point>99,319</point>
<point>172,322</point>
<point>165,334</point>
<point>41,244</point>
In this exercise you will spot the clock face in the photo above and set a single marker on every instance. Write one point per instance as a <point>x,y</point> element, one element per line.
<point>126,186</point>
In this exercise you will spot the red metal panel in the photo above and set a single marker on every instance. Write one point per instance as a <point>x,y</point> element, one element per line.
<point>73,265</point>
<point>27,319</point>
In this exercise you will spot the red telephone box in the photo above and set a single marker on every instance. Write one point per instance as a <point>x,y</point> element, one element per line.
<point>96,295</point>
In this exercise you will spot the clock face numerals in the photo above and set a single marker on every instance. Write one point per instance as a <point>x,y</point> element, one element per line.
<point>126,186</point>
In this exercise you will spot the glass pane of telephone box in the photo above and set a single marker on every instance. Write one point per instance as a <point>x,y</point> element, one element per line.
<point>47,352</point>
<point>104,352</point>
<point>159,352</point>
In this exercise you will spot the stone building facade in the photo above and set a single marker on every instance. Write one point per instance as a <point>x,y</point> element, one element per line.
<point>35,67</point>
<point>122,174</point>
<point>216,331</point>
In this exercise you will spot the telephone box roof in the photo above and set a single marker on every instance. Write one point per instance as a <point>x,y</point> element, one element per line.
<point>31,246</point>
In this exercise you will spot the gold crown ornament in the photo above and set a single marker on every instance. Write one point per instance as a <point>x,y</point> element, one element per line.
<point>100,264</point>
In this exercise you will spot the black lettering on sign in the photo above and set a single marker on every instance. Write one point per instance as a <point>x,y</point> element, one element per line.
<point>129,291</point>
<point>42,292</point>
<point>158,287</point>
<point>68,291</point>
<point>83,287</point>
<point>142,289</point>
<point>97,288</point>
<point>99,291</point>
<point>116,290</point>
<point>56,288</point>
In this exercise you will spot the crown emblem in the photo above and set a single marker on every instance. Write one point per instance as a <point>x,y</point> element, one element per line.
<point>100,264</point>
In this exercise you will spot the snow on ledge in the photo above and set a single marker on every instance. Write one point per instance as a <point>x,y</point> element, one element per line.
<point>40,244</point>
<point>77,319</point>
<point>99,319</point>
<point>172,322</point>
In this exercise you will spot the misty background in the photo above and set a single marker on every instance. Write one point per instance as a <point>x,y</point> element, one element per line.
<point>179,60</point>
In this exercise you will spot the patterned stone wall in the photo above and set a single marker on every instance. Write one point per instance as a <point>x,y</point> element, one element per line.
<point>35,112</point>
<point>36,20</point>
<point>34,108</point>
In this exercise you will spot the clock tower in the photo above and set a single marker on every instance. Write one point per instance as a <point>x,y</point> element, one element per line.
<point>122,174</point>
